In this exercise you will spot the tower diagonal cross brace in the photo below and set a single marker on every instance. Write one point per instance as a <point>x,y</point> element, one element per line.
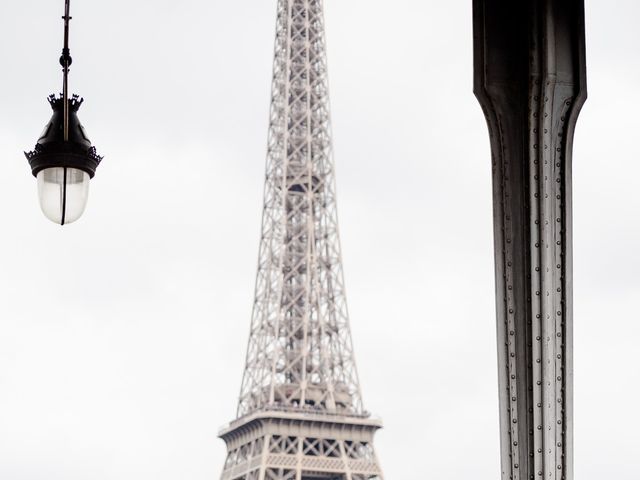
<point>300,412</point>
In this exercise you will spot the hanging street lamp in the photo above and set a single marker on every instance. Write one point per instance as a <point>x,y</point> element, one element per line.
<point>64,160</point>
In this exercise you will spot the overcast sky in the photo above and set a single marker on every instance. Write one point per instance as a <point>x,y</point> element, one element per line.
<point>122,336</point>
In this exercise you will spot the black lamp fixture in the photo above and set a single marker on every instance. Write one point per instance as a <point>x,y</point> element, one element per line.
<point>64,160</point>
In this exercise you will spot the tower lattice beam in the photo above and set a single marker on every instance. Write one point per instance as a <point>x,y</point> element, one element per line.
<point>300,412</point>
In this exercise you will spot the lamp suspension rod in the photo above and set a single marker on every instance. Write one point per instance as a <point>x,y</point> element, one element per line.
<point>65,61</point>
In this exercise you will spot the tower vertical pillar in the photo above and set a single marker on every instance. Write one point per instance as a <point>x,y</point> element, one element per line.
<point>530,79</point>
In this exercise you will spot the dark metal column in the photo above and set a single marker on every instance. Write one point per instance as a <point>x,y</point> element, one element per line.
<point>530,79</point>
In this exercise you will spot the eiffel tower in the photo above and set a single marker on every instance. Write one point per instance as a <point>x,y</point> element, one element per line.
<point>300,414</point>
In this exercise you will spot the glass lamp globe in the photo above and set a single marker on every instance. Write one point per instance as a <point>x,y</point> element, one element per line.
<point>63,166</point>
<point>63,193</point>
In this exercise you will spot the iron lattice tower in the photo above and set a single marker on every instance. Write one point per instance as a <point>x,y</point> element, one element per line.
<point>300,413</point>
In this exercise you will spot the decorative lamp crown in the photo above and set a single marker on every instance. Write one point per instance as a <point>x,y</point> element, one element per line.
<point>53,151</point>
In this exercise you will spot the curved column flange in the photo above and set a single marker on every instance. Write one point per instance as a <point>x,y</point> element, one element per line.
<point>530,79</point>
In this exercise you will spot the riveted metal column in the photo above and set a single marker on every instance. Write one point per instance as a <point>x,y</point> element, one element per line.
<point>530,79</point>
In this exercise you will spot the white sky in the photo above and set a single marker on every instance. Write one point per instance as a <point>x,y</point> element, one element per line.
<point>122,337</point>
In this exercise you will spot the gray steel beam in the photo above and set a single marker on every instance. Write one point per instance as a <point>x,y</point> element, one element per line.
<point>530,79</point>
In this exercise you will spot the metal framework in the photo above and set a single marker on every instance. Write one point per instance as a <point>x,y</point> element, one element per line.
<point>300,412</point>
<point>530,79</point>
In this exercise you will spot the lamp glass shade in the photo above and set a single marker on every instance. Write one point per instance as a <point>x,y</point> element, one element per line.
<point>63,193</point>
